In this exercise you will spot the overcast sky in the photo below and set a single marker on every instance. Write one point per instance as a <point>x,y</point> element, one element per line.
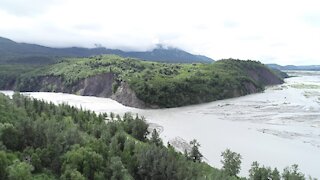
<point>272,31</point>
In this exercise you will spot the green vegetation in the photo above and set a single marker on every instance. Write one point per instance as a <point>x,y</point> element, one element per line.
<point>9,74</point>
<point>161,84</point>
<point>40,140</point>
<point>231,162</point>
<point>195,154</point>
<point>43,141</point>
<point>264,173</point>
<point>257,172</point>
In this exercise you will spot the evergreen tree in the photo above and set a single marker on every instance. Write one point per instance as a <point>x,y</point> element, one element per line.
<point>195,154</point>
<point>231,162</point>
<point>155,138</point>
<point>263,173</point>
<point>118,170</point>
<point>275,175</point>
<point>292,173</point>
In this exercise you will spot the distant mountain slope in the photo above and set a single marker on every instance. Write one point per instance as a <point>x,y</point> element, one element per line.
<point>23,53</point>
<point>172,55</point>
<point>292,67</point>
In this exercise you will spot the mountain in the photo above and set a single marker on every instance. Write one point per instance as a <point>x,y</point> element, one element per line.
<point>292,67</point>
<point>172,55</point>
<point>23,53</point>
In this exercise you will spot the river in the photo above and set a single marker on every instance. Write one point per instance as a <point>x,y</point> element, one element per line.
<point>277,128</point>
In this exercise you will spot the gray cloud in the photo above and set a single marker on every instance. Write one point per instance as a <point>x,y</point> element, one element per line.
<point>214,28</point>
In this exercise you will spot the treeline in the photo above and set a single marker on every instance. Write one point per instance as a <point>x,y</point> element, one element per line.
<point>10,73</point>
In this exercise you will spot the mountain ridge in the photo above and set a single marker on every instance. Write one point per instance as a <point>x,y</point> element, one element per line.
<point>24,53</point>
<point>294,67</point>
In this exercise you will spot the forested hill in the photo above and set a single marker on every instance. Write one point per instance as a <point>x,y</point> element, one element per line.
<point>146,84</point>
<point>23,53</point>
<point>43,141</point>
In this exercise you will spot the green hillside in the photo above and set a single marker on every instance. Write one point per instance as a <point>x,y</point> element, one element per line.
<point>160,84</point>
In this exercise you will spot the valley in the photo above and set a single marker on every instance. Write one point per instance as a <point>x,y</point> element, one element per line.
<point>277,127</point>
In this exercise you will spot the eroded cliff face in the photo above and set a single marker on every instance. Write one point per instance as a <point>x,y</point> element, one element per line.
<point>264,76</point>
<point>98,85</point>
<point>126,96</point>
<point>261,77</point>
<point>101,85</point>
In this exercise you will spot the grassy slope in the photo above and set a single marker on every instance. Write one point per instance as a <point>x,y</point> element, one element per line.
<point>162,84</point>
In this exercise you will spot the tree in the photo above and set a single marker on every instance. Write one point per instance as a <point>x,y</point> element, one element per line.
<point>33,158</point>
<point>155,138</point>
<point>117,144</point>
<point>128,157</point>
<point>72,174</point>
<point>119,172</point>
<point>231,162</point>
<point>139,129</point>
<point>195,154</point>
<point>275,175</point>
<point>45,176</point>
<point>292,173</point>
<point>84,160</point>
<point>4,162</point>
<point>263,173</point>
<point>19,171</point>
<point>155,162</point>
<point>112,115</point>
<point>10,136</point>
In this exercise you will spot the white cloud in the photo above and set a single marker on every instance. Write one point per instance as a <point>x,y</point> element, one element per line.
<point>27,7</point>
<point>284,32</point>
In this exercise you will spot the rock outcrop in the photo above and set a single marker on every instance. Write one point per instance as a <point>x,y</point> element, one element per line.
<point>126,96</point>
<point>99,85</point>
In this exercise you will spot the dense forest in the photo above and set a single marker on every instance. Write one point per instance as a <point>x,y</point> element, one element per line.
<point>43,141</point>
<point>159,84</point>
<point>40,140</point>
<point>9,74</point>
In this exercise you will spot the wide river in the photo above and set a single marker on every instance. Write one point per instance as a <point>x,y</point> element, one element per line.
<point>277,128</point>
